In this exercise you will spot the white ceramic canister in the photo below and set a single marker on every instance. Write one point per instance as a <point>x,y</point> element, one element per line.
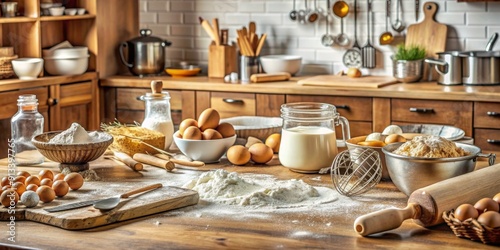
<point>157,115</point>
<point>308,138</point>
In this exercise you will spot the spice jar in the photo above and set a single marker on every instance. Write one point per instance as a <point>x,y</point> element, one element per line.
<point>308,138</point>
<point>157,112</point>
<point>26,124</point>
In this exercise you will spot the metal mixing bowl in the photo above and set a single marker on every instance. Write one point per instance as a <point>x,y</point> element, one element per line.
<point>412,173</point>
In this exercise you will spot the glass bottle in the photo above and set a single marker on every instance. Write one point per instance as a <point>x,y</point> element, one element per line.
<point>157,112</point>
<point>26,124</point>
<point>308,138</point>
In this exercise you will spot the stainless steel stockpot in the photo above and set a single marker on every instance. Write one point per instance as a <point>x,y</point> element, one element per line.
<point>449,67</point>
<point>480,67</point>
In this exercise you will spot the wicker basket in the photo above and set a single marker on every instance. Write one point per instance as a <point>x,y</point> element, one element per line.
<point>472,229</point>
<point>6,70</point>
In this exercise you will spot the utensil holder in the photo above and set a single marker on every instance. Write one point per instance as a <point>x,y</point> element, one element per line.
<point>248,66</point>
<point>222,60</point>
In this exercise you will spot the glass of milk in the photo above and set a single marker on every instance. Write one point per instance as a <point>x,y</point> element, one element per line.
<point>157,115</point>
<point>308,139</point>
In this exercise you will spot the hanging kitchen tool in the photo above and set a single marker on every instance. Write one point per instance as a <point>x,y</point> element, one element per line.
<point>387,37</point>
<point>398,25</point>
<point>312,15</point>
<point>428,34</point>
<point>352,57</point>
<point>293,14</point>
<point>368,52</point>
<point>327,39</point>
<point>341,9</point>
<point>302,14</point>
<point>417,9</point>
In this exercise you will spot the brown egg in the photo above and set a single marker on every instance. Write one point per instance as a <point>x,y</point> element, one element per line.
<point>238,155</point>
<point>209,118</point>
<point>5,187</point>
<point>46,193</point>
<point>74,180</point>
<point>486,204</point>
<point>273,141</point>
<point>60,187</point>
<point>23,173</point>
<point>5,181</point>
<point>9,198</point>
<point>32,187</point>
<point>372,143</point>
<point>59,176</point>
<point>392,138</point>
<point>497,198</point>
<point>226,129</point>
<point>46,182</point>
<point>465,211</point>
<point>261,153</point>
<point>490,219</point>
<point>210,134</point>
<point>192,133</point>
<point>20,178</point>
<point>187,123</point>
<point>32,180</point>
<point>46,174</point>
<point>19,187</point>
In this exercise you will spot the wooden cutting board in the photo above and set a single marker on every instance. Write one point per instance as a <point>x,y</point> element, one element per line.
<point>429,34</point>
<point>155,201</point>
<point>345,81</point>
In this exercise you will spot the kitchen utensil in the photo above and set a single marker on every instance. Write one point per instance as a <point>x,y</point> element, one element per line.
<point>327,39</point>
<point>71,206</point>
<point>448,66</point>
<point>273,77</point>
<point>312,14</point>
<point>303,13</point>
<point>354,174</point>
<point>154,161</point>
<point>216,30</point>
<point>491,42</point>
<point>146,54</point>
<point>9,9</point>
<point>281,63</point>
<point>27,68</point>
<point>407,71</point>
<point>480,67</point>
<point>352,57</point>
<point>110,203</point>
<point>428,34</point>
<point>426,205</point>
<point>249,65</point>
<point>341,9</point>
<point>417,9</point>
<point>345,81</point>
<point>293,14</point>
<point>180,161</point>
<point>260,44</point>
<point>355,149</point>
<point>387,37</point>
<point>398,25</point>
<point>127,160</point>
<point>368,52</point>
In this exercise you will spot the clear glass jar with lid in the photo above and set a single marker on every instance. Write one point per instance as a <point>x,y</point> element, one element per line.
<point>157,112</point>
<point>26,124</point>
<point>308,138</point>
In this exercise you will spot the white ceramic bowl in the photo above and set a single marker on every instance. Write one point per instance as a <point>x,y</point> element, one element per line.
<point>66,66</point>
<point>56,11</point>
<point>66,52</point>
<point>204,150</point>
<point>257,126</point>
<point>70,11</point>
<point>81,11</point>
<point>281,63</point>
<point>27,68</point>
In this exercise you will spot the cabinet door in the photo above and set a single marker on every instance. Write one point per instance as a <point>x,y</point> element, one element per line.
<point>487,139</point>
<point>74,102</point>
<point>487,115</point>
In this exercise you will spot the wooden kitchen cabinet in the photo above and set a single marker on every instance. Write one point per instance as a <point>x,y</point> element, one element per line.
<point>487,125</point>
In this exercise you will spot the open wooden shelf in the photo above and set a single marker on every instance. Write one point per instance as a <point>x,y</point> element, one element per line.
<point>66,18</point>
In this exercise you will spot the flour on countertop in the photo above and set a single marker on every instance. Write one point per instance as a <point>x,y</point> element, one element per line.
<point>76,134</point>
<point>221,186</point>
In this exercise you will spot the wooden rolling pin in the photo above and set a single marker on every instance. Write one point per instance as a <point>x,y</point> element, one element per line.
<point>154,161</point>
<point>131,163</point>
<point>426,205</point>
<point>181,162</point>
<point>273,77</point>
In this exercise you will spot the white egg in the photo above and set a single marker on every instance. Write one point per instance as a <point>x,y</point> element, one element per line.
<point>30,198</point>
<point>392,129</point>
<point>376,136</point>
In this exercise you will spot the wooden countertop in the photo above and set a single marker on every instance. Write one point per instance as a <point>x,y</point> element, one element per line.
<point>420,90</point>
<point>205,227</point>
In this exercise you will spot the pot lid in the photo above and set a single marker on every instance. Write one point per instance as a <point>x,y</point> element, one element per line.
<point>147,38</point>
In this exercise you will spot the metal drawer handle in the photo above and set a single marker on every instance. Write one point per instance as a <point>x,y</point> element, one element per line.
<point>492,141</point>
<point>230,100</point>
<point>422,110</point>
<point>492,113</point>
<point>346,107</point>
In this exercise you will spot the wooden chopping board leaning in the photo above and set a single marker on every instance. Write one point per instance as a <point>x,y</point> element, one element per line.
<point>429,34</point>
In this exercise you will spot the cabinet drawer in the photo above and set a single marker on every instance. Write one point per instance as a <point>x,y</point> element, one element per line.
<point>352,108</point>
<point>8,100</point>
<point>455,113</point>
<point>233,104</point>
<point>487,139</point>
<point>357,129</point>
<point>486,115</point>
<point>75,93</point>
<point>126,98</point>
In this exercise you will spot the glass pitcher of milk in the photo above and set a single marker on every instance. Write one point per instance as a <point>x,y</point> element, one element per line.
<point>308,138</point>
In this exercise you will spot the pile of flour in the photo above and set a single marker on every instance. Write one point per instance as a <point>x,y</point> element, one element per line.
<point>76,134</point>
<point>221,186</point>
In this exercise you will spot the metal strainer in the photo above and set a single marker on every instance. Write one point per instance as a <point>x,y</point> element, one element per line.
<point>354,174</point>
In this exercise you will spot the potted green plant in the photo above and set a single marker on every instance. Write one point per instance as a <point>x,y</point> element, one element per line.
<point>408,63</point>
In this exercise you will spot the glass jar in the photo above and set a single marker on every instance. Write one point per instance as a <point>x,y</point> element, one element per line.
<point>157,115</point>
<point>308,138</point>
<point>26,124</point>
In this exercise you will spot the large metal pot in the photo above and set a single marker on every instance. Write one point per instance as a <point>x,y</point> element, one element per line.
<point>449,67</point>
<point>481,67</point>
<point>412,173</point>
<point>146,54</point>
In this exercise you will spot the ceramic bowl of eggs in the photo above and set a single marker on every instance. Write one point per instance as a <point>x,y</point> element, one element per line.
<point>205,139</point>
<point>375,141</point>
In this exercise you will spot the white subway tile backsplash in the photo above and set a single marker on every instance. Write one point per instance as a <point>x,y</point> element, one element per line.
<point>469,27</point>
